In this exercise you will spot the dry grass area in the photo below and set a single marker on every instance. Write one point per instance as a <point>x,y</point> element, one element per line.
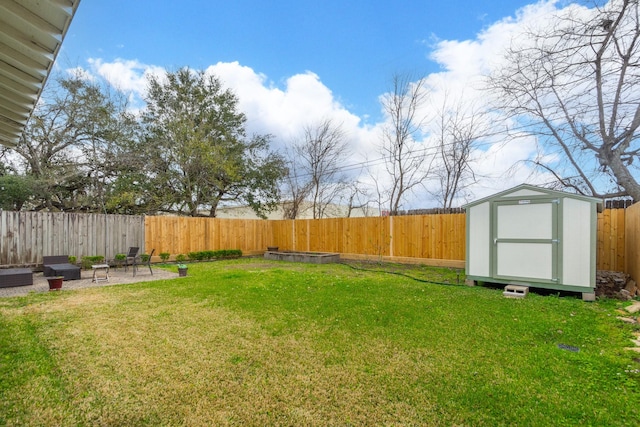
<point>135,363</point>
<point>255,343</point>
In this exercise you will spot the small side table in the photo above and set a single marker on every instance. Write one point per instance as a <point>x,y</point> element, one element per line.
<point>100,267</point>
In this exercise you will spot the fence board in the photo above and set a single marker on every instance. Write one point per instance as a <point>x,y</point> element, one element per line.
<point>632,241</point>
<point>611,236</point>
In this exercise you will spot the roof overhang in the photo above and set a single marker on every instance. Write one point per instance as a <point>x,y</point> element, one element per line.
<point>31,32</point>
<point>539,191</point>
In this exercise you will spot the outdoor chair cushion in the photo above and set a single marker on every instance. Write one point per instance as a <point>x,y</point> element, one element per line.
<point>58,265</point>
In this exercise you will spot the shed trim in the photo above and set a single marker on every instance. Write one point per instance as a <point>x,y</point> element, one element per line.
<point>504,194</point>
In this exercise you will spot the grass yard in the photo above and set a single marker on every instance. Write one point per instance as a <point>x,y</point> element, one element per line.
<point>253,343</point>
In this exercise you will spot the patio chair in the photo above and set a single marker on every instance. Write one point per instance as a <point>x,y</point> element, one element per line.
<point>147,263</point>
<point>131,257</point>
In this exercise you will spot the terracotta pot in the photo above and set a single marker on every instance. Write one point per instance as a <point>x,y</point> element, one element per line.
<point>55,283</point>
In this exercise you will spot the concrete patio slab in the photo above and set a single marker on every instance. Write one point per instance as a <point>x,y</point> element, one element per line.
<point>117,276</point>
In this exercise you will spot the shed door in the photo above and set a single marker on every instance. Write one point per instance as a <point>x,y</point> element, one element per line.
<point>525,240</point>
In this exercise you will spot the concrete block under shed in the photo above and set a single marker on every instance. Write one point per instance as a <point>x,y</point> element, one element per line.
<point>515,291</point>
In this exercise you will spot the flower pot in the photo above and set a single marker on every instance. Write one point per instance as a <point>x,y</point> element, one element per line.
<point>55,283</point>
<point>182,272</point>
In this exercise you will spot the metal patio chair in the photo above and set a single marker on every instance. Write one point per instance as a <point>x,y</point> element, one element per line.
<point>131,257</point>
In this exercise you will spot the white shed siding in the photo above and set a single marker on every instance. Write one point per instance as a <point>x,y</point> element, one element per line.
<point>524,192</point>
<point>525,221</point>
<point>525,260</point>
<point>479,251</point>
<point>576,251</point>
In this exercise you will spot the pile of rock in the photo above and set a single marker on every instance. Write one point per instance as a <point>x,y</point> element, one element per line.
<point>615,284</point>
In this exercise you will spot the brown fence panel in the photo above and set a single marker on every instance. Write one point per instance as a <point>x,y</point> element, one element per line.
<point>282,233</point>
<point>366,236</point>
<point>181,235</point>
<point>632,241</point>
<point>610,249</point>
<point>440,236</point>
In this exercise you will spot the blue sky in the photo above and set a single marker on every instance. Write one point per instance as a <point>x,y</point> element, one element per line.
<point>353,46</point>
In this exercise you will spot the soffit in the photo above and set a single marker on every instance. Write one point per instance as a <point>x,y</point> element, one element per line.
<point>31,32</point>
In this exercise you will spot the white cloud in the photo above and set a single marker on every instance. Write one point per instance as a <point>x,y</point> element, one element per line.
<point>283,112</point>
<point>129,76</point>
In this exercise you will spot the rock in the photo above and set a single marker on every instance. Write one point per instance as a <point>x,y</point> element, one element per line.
<point>610,283</point>
<point>627,320</point>
<point>632,287</point>
<point>633,308</point>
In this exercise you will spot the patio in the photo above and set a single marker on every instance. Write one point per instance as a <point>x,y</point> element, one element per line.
<point>117,276</point>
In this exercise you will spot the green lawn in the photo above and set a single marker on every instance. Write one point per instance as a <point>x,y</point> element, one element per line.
<point>251,342</point>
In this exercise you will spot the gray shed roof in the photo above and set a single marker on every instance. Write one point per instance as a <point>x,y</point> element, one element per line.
<point>31,32</point>
<point>533,188</point>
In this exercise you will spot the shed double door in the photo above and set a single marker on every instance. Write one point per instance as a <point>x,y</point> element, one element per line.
<point>525,240</point>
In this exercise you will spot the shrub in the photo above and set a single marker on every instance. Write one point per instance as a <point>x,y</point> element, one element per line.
<point>181,258</point>
<point>144,257</point>
<point>72,259</point>
<point>195,256</point>
<point>120,257</point>
<point>88,261</point>
<point>164,256</point>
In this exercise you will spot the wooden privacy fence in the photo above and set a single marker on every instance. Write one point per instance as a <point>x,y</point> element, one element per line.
<point>423,236</point>
<point>25,237</point>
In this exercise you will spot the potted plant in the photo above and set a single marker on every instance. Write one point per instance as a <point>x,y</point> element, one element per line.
<point>55,282</point>
<point>182,270</point>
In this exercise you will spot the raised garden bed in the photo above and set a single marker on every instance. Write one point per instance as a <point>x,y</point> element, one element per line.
<point>308,257</point>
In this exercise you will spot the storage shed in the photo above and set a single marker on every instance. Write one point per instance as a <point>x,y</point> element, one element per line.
<point>534,237</point>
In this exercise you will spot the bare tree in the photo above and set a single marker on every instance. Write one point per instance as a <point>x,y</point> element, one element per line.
<point>297,190</point>
<point>316,162</point>
<point>406,162</point>
<point>457,128</point>
<point>357,197</point>
<point>574,84</point>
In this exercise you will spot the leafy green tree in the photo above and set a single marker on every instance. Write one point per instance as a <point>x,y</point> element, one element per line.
<point>70,147</point>
<point>15,191</point>
<point>197,152</point>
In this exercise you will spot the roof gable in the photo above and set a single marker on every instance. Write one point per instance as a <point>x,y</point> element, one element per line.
<point>526,190</point>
